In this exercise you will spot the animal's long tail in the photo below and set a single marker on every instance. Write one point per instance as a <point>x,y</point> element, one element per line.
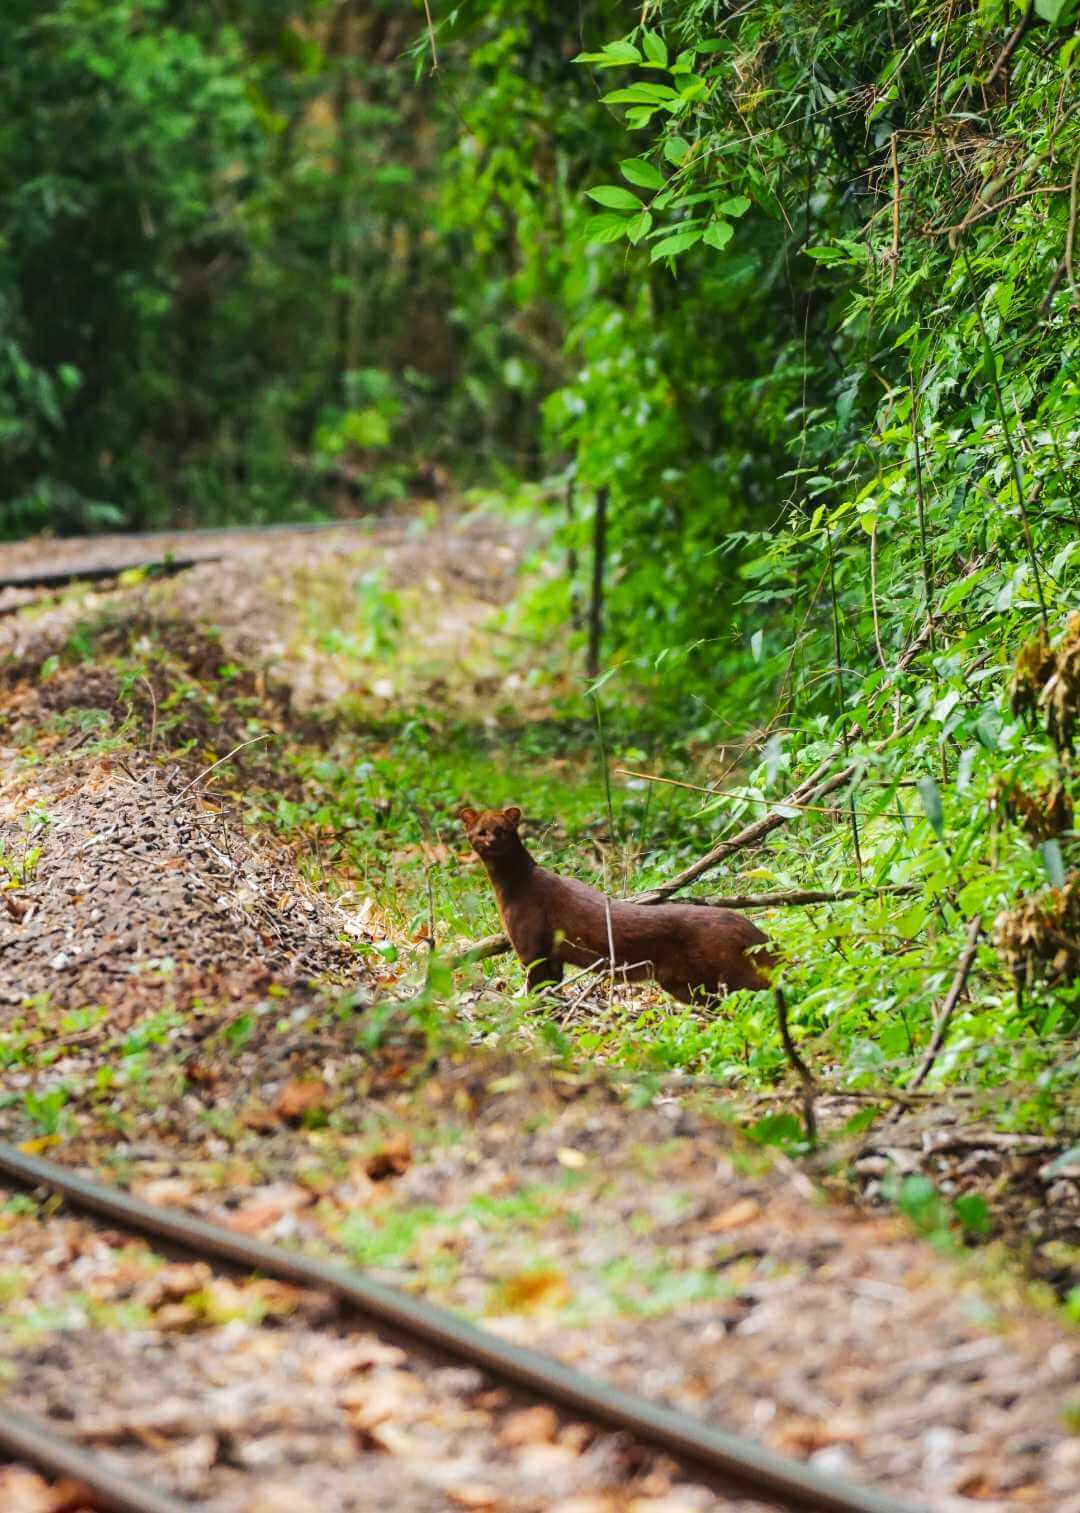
<point>802,1071</point>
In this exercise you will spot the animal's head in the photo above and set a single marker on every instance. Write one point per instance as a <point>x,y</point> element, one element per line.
<point>492,832</point>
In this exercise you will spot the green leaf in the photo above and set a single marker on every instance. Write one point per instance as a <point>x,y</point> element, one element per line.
<point>717,234</point>
<point>920,1201</point>
<point>1050,851</point>
<point>931,802</point>
<point>655,49</point>
<point>974,1213</point>
<point>639,226</point>
<point>606,228</point>
<point>643,173</point>
<point>641,94</point>
<point>776,1129</point>
<point>676,150</point>
<point>671,246</point>
<point>1057,12</point>
<point>614,55</point>
<point>736,206</point>
<point>614,197</point>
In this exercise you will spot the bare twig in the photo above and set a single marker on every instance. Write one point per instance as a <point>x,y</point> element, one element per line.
<point>1070,235</point>
<point>596,602</point>
<point>431,36</point>
<point>894,255</point>
<point>743,798</point>
<point>153,715</point>
<point>941,1027</point>
<point>219,763</point>
<point>1005,56</point>
<point>873,595</point>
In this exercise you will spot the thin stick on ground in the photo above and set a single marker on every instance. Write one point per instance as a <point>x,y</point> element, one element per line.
<point>941,1027</point>
<point>220,763</point>
<point>153,714</point>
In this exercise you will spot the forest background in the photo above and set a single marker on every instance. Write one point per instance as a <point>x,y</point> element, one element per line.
<point>797,284</point>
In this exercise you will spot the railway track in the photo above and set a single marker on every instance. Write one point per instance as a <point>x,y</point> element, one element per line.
<point>732,1465</point>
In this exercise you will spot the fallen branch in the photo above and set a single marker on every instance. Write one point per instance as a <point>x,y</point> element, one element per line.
<point>490,945</point>
<point>813,788</point>
<point>941,1028</point>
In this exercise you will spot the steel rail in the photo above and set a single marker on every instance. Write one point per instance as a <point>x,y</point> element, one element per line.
<point>737,1460</point>
<point>60,577</point>
<point>35,1442</point>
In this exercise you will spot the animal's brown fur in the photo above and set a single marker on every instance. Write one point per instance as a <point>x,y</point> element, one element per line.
<point>691,950</point>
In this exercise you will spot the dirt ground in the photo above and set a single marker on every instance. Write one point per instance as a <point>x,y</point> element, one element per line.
<point>183,1012</point>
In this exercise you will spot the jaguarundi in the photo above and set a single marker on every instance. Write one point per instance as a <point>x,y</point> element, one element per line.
<point>693,951</point>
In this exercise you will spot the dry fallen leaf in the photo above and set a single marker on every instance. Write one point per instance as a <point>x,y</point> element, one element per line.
<point>299,1098</point>
<point>530,1426</point>
<point>269,1207</point>
<point>737,1214</point>
<point>474,1495</point>
<point>391,1158</point>
<point>532,1290</point>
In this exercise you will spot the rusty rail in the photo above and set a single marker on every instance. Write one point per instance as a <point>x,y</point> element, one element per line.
<point>736,1460</point>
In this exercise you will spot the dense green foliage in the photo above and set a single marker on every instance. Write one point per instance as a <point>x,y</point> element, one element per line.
<point>797,282</point>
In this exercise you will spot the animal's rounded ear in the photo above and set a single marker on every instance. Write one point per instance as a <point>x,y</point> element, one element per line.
<point>513,815</point>
<point>468,817</point>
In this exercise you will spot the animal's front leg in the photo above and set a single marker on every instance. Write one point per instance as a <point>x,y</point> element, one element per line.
<point>543,969</point>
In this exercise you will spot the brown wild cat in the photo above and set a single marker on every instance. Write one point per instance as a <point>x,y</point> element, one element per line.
<point>692,950</point>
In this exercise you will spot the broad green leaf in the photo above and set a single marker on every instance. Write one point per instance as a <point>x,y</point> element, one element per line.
<point>671,246</point>
<point>945,706</point>
<point>931,802</point>
<point>717,234</point>
<point>1057,12</point>
<point>655,49</point>
<point>606,228</point>
<point>614,197</point>
<point>973,1212</point>
<point>643,173</point>
<point>641,94</point>
<point>639,226</point>
<point>614,55</point>
<point>676,150</point>
<point>736,206</point>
